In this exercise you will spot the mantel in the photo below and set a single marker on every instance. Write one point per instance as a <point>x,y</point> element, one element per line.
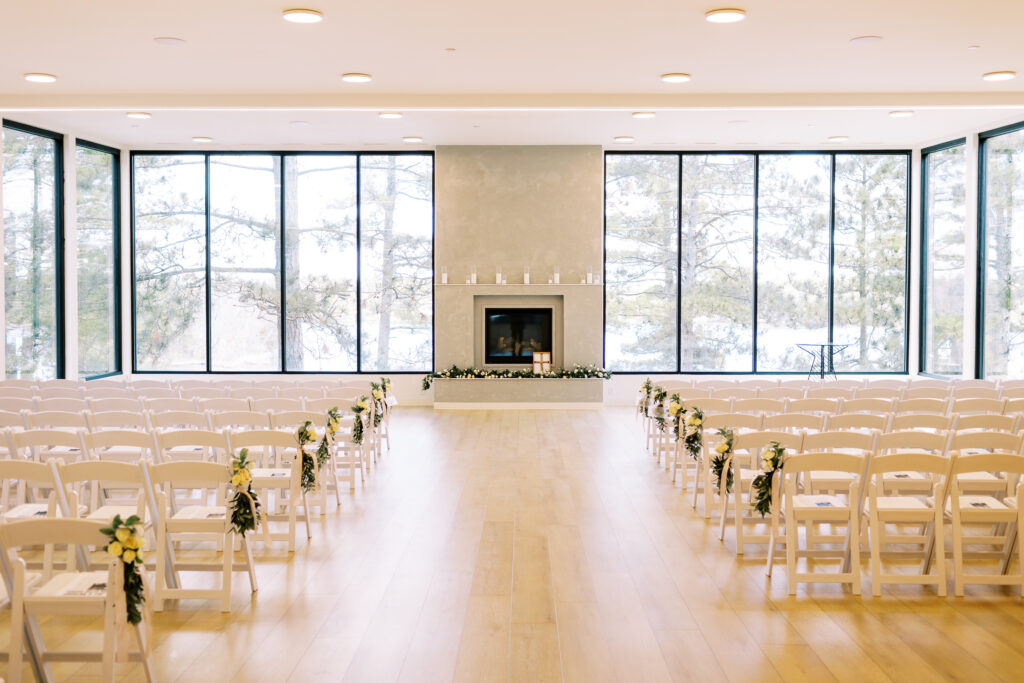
<point>520,284</point>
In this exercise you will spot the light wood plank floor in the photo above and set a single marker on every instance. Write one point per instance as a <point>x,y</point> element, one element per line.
<point>546,546</point>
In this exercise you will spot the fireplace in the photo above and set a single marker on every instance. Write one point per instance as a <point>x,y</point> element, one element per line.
<point>511,335</point>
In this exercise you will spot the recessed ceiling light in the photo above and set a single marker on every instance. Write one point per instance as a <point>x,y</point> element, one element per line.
<point>40,78</point>
<point>169,41</point>
<point>644,115</point>
<point>838,138</point>
<point>865,40</point>
<point>624,139</point>
<point>412,138</point>
<point>201,138</point>
<point>901,114</point>
<point>139,115</point>
<point>999,76</point>
<point>299,15</point>
<point>390,114</point>
<point>726,15</point>
<point>675,77</point>
<point>298,124</point>
<point>974,47</point>
<point>356,78</point>
<point>449,49</point>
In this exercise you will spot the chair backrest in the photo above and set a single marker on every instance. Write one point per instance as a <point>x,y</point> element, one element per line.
<point>733,421</point>
<point>898,384</point>
<point>106,393</point>
<point>203,438</point>
<point>710,405</point>
<point>882,393</point>
<point>781,393</point>
<point>714,383</point>
<point>205,393</point>
<point>929,421</point>
<point>45,394</point>
<point>915,392</point>
<point>98,442</point>
<point>799,383</point>
<point>189,474</point>
<point>750,441</point>
<point>758,383</point>
<point>734,392</point>
<point>830,392</point>
<point>794,421</point>
<point>925,382</point>
<point>975,392</point>
<point>174,419</point>
<point>99,470</point>
<point>929,442</point>
<point>31,532</point>
<point>1012,463</point>
<point>9,420</point>
<point>993,406</point>
<point>690,394</point>
<point>868,421</point>
<point>276,404</point>
<point>976,384</point>
<point>263,437</point>
<point>299,393</point>
<point>986,422</point>
<point>322,405</point>
<point>146,384</point>
<point>881,406</point>
<point>16,405</point>
<point>117,419</point>
<point>239,418</point>
<point>809,461</point>
<point>936,406</point>
<point>189,384</point>
<point>345,394</point>
<point>927,463</point>
<point>26,442</point>
<point>154,393</point>
<point>166,404</point>
<point>766,406</point>
<point>72,405</point>
<point>57,418</point>
<point>223,404</point>
<point>966,442</point>
<point>105,405</point>
<point>60,384</point>
<point>846,441</point>
<point>821,406</point>
<point>1014,394</point>
<point>17,392</point>
<point>292,419</point>
<point>250,393</point>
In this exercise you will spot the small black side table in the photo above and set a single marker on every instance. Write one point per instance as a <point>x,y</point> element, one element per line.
<point>823,355</point>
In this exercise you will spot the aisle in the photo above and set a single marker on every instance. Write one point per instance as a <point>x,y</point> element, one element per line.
<point>537,546</point>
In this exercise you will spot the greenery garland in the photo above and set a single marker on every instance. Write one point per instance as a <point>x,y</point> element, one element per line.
<point>647,388</point>
<point>576,372</point>
<point>245,505</point>
<point>693,438</point>
<point>126,544</point>
<point>723,454</point>
<point>771,460</point>
<point>323,451</point>
<point>659,396</point>
<point>377,392</point>
<point>306,434</point>
<point>360,407</point>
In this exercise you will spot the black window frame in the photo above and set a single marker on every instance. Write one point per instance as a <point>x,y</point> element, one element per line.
<point>922,346</point>
<point>59,253</point>
<point>116,154</point>
<point>206,154</point>
<point>831,270</point>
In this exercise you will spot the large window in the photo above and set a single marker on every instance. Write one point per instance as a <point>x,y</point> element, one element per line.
<point>735,258</point>
<point>283,262</point>
<point>32,176</point>
<point>1002,157</point>
<point>96,173</point>
<point>944,216</point>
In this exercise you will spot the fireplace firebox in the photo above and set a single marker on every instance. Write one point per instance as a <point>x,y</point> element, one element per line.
<point>513,334</point>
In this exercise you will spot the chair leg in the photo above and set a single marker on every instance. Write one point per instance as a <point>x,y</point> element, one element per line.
<point>249,564</point>
<point>938,545</point>
<point>228,561</point>
<point>791,540</point>
<point>109,641</point>
<point>305,515</point>
<point>854,542</point>
<point>17,646</point>
<point>161,568</point>
<point>958,556</point>
<point>875,543</point>
<point>147,660</point>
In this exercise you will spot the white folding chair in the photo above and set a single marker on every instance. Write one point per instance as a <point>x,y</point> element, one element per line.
<point>17,405</point>
<point>192,444</point>
<point>782,393</point>
<point>163,405</point>
<point>703,480</point>
<point>62,594</point>
<point>28,490</point>
<point>41,445</point>
<point>107,405</point>
<point>976,406</point>
<point>120,445</point>
<point>212,405</point>
<point>814,406</point>
<point>918,392</point>
<point>99,490</point>
<point>984,422</point>
<point>879,406</point>
<point>921,421</point>
<point>734,392</point>
<point>763,406</point>
<point>794,422</point>
<point>299,393</point>
<point>276,405</point>
<point>831,392</point>
<point>204,393</point>
<point>93,394</point>
<point>70,405</point>
<point>58,419</point>
<point>178,419</point>
<point>117,419</point>
<point>857,421</point>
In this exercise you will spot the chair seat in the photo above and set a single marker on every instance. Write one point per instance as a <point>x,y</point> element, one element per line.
<point>121,453</point>
<point>200,512</point>
<point>897,503</point>
<point>86,585</point>
<point>186,452</point>
<point>271,476</point>
<point>978,503</point>
<point>916,476</point>
<point>804,501</point>
<point>107,512</point>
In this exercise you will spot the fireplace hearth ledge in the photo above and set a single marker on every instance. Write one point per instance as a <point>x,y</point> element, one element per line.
<point>550,393</point>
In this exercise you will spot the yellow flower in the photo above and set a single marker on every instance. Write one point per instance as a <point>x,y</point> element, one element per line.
<point>722,448</point>
<point>673,408</point>
<point>128,557</point>
<point>236,480</point>
<point>312,434</point>
<point>141,544</point>
<point>115,549</point>
<point>122,534</point>
<point>132,543</point>
<point>138,556</point>
<point>332,426</point>
<point>766,461</point>
<point>377,393</point>
<point>364,404</point>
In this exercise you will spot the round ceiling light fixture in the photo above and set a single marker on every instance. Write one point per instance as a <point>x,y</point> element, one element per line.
<point>838,138</point>
<point>624,139</point>
<point>390,114</point>
<point>901,114</point>
<point>999,76</point>
<point>201,139</point>
<point>725,15</point>
<point>356,78</point>
<point>301,15</point>
<point>412,139</point>
<point>865,40</point>
<point>141,115</point>
<point>676,77</point>
<point>169,41</point>
<point>40,78</point>
<point>644,115</point>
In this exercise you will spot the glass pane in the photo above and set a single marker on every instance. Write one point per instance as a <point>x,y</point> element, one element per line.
<point>170,262</point>
<point>870,269</point>
<point>792,258</point>
<point>245,263</point>
<point>946,209</point>
<point>1004,255</point>
<point>30,236</point>
<point>641,261</point>
<point>96,211</point>
<point>716,277</point>
<point>320,262</point>
<point>396,252</point>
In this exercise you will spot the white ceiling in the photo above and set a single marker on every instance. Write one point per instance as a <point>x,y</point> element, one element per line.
<point>790,64</point>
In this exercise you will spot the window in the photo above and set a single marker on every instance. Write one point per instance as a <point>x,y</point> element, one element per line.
<point>1002,156</point>
<point>96,173</point>
<point>33,276</point>
<point>351,235</point>
<point>790,248</point>
<point>944,216</point>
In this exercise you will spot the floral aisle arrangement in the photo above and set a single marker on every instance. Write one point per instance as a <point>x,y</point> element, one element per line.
<point>377,393</point>
<point>385,386</point>
<point>721,459</point>
<point>360,407</point>
<point>323,451</point>
<point>771,462</point>
<point>575,372</point>
<point>658,399</point>
<point>693,437</point>
<point>126,544</point>
<point>306,434</point>
<point>646,391</point>
<point>245,504</point>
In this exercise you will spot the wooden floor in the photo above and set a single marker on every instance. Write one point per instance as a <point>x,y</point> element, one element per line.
<point>546,546</point>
